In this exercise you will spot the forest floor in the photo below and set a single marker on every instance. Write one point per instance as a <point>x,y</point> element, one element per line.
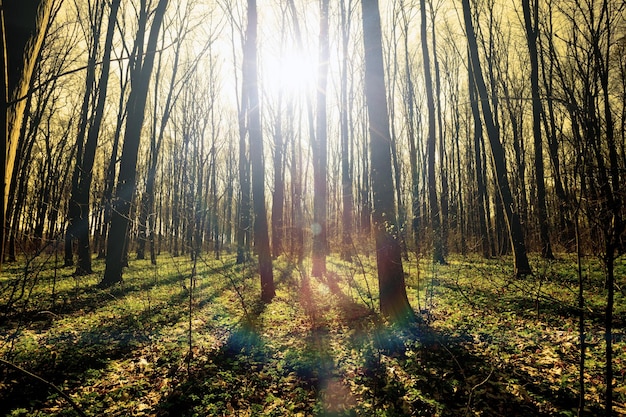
<point>485,343</point>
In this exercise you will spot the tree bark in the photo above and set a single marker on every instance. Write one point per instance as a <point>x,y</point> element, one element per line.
<point>278,197</point>
<point>255,136</point>
<point>481,187</point>
<point>320,152</point>
<point>411,134</point>
<point>346,171</point>
<point>394,302</point>
<point>435,218</point>
<point>521,264</point>
<point>23,26</point>
<point>118,235</point>
<point>531,23</point>
<point>84,171</point>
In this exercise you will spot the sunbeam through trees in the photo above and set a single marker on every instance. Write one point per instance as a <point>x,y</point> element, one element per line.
<point>353,207</point>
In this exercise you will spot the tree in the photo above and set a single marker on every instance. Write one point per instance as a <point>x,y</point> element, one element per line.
<point>255,137</point>
<point>435,215</point>
<point>120,219</point>
<point>531,24</point>
<point>346,171</point>
<point>394,302</point>
<point>279,159</point>
<point>516,235</point>
<point>409,104</point>
<point>243,164</point>
<point>589,104</point>
<point>79,209</point>
<point>181,74</point>
<point>320,152</point>
<point>23,31</point>
<point>481,187</point>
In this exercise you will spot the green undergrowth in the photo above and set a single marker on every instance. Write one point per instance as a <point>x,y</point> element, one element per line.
<point>174,340</point>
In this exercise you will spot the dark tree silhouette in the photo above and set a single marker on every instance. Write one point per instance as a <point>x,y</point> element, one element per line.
<point>394,302</point>
<point>255,136</point>
<point>126,184</point>
<point>320,152</point>
<point>531,23</point>
<point>23,30</point>
<point>516,235</point>
<point>83,170</point>
<point>435,215</point>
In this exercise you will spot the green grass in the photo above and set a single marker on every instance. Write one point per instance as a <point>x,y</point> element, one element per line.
<point>486,343</point>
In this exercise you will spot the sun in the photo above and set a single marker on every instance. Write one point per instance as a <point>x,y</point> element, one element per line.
<point>291,71</point>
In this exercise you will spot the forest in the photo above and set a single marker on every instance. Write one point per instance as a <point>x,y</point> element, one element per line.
<point>313,207</point>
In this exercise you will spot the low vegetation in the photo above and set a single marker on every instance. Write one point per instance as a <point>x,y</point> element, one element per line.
<point>189,338</point>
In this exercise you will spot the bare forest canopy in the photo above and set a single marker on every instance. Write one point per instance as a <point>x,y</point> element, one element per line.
<point>302,131</point>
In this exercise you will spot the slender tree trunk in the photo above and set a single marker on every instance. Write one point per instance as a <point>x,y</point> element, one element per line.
<point>116,252</point>
<point>82,196</point>
<point>532,31</point>
<point>365,193</point>
<point>394,302</point>
<point>478,166</point>
<point>21,174</point>
<point>243,217</point>
<point>435,218</point>
<point>443,172</point>
<point>250,84</point>
<point>320,152</point>
<point>109,175</point>
<point>522,266</point>
<point>77,213</point>
<point>346,170</point>
<point>296,178</point>
<point>278,198</point>
<point>24,27</point>
<point>411,135</point>
<point>228,202</point>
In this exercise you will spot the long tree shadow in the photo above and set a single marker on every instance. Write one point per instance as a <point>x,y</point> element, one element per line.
<point>414,369</point>
<point>69,355</point>
<point>345,360</point>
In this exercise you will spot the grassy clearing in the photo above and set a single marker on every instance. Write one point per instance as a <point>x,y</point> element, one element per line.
<point>487,344</point>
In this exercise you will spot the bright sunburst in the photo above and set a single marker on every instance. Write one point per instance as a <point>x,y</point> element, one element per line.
<point>291,72</point>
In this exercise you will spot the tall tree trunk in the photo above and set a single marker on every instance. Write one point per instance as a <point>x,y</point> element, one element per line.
<point>516,235</point>
<point>147,217</point>
<point>346,170</point>
<point>435,218</point>
<point>297,246</point>
<point>76,212</point>
<point>21,173</point>
<point>255,135</point>
<point>109,174</point>
<point>531,23</point>
<point>243,209</point>
<point>24,27</point>
<point>443,171</point>
<point>394,302</point>
<point>481,187</point>
<point>365,193</point>
<point>115,258</point>
<point>411,135</point>
<point>320,152</point>
<point>81,195</point>
<point>278,198</point>
<point>229,194</point>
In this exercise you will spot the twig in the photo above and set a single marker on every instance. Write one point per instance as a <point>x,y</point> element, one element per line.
<point>471,393</point>
<point>234,285</point>
<point>48,383</point>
